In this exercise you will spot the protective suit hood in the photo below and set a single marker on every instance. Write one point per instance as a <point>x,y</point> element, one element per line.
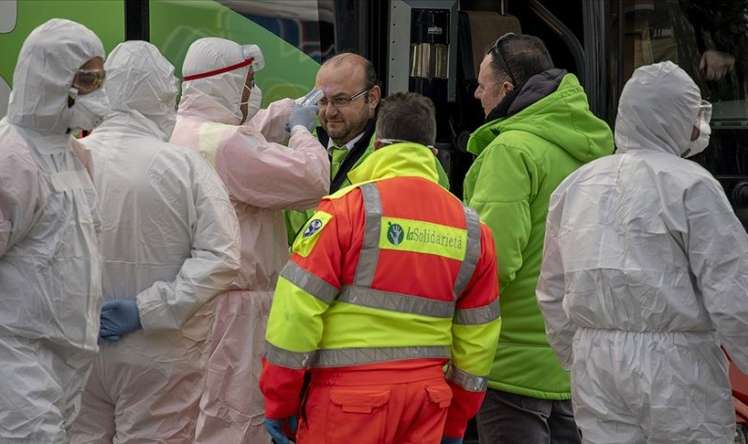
<point>657,110</point>
<point>47,63</point>
<point>141,82</point>
<point>216,97</point>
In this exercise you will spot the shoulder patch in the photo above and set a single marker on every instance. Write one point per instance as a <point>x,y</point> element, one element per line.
<point>308,236</point>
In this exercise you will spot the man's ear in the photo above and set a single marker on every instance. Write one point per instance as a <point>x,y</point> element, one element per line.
<point>375,95</point>
<point>507,86</point>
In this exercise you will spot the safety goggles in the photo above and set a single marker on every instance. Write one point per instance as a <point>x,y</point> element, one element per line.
<point>497,51</point>
<point>88,80</point>
<point>705,111</point>
<point>342,101</point>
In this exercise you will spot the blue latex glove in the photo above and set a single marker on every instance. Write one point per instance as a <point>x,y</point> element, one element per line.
<point>448,440</point>
<point>275,429</point>
<point>305,116</point>
<point>119,317</point>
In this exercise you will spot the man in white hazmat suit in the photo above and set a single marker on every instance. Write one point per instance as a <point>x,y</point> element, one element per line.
<point>170,242</point>
<point>263,177</point>
<point>645,274</point>
<point>50,281</point>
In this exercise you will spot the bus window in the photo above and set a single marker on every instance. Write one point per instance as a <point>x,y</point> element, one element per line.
<point>709,40</point>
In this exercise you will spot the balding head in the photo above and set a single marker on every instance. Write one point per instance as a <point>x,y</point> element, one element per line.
<point>344,76</point>
<point>361,69</point>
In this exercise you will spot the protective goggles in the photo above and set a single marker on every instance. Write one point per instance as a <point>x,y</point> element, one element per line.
<point>705,112</point>
<point>88,80</point>
<point>496,49</point>
<point>252,57</point>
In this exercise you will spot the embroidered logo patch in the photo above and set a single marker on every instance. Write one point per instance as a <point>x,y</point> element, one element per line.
<point>314,226</point>
<point>395,233</point>
<point>309,235</point>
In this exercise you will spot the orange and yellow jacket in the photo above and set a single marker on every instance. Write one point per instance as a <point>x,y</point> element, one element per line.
<point>390,272</point>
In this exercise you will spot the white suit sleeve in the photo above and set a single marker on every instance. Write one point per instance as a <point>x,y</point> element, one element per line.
<point>551,287</point>
<point>717,248</point>
<point>268,175</point>
<point>271,121</point>
<point>213,262</point>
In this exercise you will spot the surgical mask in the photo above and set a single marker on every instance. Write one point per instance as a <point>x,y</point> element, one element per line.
<point>255,101</point>
<point>699,144</point>
<point>88,111</point>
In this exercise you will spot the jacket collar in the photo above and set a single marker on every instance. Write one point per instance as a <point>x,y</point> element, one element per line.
<point>397,160</point>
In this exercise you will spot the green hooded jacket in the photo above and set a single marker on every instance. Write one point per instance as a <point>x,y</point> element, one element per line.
<point>521,159</point>
<point>295,220</point>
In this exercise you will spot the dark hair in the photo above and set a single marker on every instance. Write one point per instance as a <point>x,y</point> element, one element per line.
<point>407,116</point>
<point>517,57</point>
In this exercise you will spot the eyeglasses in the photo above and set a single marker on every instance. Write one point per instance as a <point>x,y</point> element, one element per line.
<point>88,80</point>
<point>498,51</point>
<point>342,101</point>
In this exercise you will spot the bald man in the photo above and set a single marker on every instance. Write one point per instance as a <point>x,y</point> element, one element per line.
<point>347,113</point>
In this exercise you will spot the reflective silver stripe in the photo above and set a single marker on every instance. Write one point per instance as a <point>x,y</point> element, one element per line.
<point>466,380</point>
<point>472,253</point>
<point>399,302</point>
<point>369,255</point>
<point>354,356</point>
<point>478,315</point>
<point>285,358</point>
<point>309,282</point>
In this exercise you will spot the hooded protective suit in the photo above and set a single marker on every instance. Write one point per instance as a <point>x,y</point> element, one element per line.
<point>262,178</point>
<point>50,282</point>
<point>170,240</point>
<point>645,273</point>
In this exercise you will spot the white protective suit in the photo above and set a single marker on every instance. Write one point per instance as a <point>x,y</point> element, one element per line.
<point>170,240</point>
<point>50,281</point>
<point>645,274</point>
<point>263,177</point>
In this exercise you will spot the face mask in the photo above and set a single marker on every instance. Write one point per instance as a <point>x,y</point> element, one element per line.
<point>255,101</point>
<point>88,111</point>
<point>700,143</point>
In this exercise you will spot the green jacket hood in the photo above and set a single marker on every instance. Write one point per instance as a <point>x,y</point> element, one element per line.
<point>562,117</point>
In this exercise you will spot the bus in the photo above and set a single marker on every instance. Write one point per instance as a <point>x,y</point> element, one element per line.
<point>435,46</point>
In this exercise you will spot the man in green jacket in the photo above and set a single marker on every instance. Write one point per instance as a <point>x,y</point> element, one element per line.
<point>538,130</point>
<point>347,113</point>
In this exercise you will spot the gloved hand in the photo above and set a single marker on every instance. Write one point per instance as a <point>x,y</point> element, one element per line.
<point>275,428</point>
<point>448,440</point>
<point>119,317</point>
<point>305,116</point>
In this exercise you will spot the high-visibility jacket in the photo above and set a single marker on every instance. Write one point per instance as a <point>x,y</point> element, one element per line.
<point>391,270</point>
